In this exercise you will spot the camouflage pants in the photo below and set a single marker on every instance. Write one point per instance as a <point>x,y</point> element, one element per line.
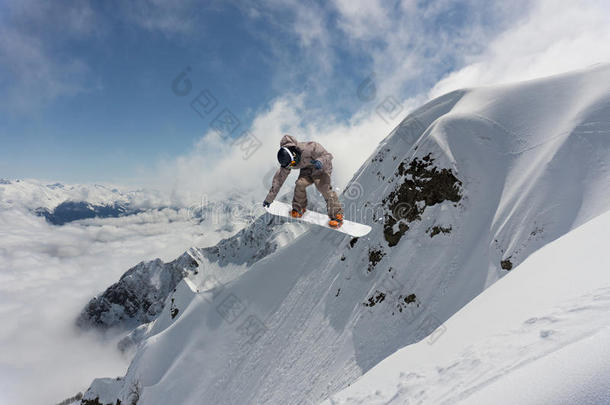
<point>322,182</point>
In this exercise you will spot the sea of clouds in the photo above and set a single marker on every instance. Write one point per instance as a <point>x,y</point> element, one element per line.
<point>47,275</point>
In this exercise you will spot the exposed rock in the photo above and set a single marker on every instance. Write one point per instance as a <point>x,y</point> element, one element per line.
<point>247,246</point>
<point>140,294</point>
<point>404,301</point>
<point>71,400</point>
<point>375,256</point>
<point>352,242</point>
<point>69,211</point>
<point>376,298</point>
<point>423,185</point>
<point>435,230</point>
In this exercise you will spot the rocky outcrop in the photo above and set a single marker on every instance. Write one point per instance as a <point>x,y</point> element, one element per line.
<point>140,294</point>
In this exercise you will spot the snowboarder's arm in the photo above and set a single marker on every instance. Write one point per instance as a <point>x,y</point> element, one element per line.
<point>278,180</point>
<point>321,154</point>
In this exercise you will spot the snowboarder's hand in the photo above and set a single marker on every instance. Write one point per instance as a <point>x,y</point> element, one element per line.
<point>317,164</point>
<point>266,204</point>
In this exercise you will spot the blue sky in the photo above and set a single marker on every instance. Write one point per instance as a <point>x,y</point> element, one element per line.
<point>87,85</point>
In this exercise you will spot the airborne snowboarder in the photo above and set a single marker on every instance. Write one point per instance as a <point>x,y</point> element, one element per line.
<point>315,165</point>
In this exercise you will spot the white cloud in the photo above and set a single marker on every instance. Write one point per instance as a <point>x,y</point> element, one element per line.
<point>555,37</point>
<point>48,273</point>
<point>167,17</point>
<point>35,74</point>
<point>36,39</point>
<point>298,38</point>
<point>363,19</point>
<point>412,44</point>
<point>215,167</point>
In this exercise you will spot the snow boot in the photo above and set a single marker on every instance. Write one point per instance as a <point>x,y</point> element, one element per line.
<point>336,222</point>
<point>296,214</point>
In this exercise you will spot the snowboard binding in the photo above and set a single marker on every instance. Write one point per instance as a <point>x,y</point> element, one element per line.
<point>296,214</point>
<point>336,222</point>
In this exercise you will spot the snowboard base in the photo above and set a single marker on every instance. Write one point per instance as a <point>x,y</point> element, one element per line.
<point>350,228</point>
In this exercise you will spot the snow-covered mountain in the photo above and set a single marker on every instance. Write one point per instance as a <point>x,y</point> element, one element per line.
<point>139,296</point>
<point>69,211</point>
<point>538,336</point>
<point>60,203</point>
<point>33,194</point>
<point>458,195</point>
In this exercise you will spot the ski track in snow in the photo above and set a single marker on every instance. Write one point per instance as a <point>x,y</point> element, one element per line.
<point>486,362</point>
<point>537,338</point>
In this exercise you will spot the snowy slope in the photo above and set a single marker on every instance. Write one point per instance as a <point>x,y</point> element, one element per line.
<point>462,191</point>
<point>538,336</point>
<point>140,294</point>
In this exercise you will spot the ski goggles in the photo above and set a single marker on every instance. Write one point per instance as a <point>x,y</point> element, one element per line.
<point>293,158</point>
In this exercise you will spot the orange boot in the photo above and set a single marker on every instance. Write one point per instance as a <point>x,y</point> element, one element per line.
<point>336,222</point>
<point>296,214</point>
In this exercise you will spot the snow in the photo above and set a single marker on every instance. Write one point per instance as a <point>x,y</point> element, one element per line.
<point>574,375</point>
<point>537,336</point>
<point>507,169</point>
<point>32,194</point>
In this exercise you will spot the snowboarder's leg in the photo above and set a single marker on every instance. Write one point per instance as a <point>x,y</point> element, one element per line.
<point>333,206</point>
<point>299,201</point>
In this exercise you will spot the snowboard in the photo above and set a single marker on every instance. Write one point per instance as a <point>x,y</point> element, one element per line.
<point>350,228</point>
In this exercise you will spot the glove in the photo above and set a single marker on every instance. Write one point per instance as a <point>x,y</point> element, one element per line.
<point>317,164</point>
<point>266,204</point>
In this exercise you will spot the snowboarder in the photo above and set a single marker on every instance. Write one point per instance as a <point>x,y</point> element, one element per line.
<point>315,165</point>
